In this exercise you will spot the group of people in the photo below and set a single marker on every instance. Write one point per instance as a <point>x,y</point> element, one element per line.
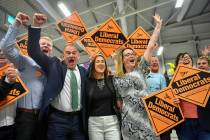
<point>68,102</point>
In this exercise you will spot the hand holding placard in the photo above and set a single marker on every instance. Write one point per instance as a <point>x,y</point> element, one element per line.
<point>11,73</point>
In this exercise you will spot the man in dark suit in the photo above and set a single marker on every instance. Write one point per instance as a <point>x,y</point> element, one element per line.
<point>63,99</point>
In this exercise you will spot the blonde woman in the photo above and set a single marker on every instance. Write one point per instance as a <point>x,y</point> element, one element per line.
<point>130,85</point>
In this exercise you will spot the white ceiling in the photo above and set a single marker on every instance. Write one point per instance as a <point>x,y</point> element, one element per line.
<point>191,34</point>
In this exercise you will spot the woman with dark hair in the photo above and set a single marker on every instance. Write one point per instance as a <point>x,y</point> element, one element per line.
<point>103,123</point>
<point>191,128</point>
<point>184,59</point>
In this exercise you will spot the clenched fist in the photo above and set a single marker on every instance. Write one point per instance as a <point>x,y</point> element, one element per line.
<point>39,19</point>
<point>21,19</point>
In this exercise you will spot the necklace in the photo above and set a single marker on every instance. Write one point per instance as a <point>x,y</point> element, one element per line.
<point>100,84</point>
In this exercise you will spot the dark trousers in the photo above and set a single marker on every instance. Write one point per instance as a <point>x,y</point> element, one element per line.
<point>7,132</point>
<point>27,126</point>
<point>166,135</point>
<point>64,126</point>
<point>190,129</point>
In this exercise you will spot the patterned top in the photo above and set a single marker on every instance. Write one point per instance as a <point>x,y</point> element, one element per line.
<point>135,122</point>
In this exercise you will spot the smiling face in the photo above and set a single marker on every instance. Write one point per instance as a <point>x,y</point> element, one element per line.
<point>100,65</point>
<point>154,64</point>
<point>203,64</point>
<point>46,45</point>
<point>129,59</point>
<point>186,60</point>
<point>71,56</point>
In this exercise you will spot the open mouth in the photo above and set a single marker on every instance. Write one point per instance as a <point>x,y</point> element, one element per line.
<point>186,62</point>
<point>132,60</point>
<point>45,51</point>
<point>71,61</point>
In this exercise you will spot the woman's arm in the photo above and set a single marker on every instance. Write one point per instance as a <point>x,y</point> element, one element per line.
<point>153,40</point>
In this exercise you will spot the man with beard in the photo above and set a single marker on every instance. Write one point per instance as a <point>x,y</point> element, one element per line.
<point>63,100</point>
<point>155,82</point>
<point>7,114</point>
<point>28,107</point>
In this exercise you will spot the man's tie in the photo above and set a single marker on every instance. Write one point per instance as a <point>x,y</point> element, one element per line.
<point>74,90</point>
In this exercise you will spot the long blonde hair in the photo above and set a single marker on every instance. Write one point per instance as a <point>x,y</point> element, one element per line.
<point>119,66</point>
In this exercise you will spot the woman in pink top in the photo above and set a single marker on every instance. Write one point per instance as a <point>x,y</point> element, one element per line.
<point>190,129</point>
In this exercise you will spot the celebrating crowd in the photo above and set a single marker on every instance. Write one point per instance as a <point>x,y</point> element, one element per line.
<point>68,102</point>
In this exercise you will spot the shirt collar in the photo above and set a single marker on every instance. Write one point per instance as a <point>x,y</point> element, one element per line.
<point>75,69</point>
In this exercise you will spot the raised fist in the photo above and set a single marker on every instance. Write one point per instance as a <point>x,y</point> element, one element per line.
<point>21,19</point>
<point>39,19</point>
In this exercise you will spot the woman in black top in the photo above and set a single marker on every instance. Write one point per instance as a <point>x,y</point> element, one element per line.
<point>103,122</point>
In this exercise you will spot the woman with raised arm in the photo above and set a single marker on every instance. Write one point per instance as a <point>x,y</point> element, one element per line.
<point>130,85</point>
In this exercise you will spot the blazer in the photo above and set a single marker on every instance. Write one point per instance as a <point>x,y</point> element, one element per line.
<point>55,71</point>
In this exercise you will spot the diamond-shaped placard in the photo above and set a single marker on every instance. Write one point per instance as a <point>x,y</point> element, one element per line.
<point>138,41</point>
<point>163,113</point>
<point>109,37</point>
<point>17,91</point>
<point>191,84</point>
<point>72,27</point>
<point>22,45</point>
<point>90,46</point>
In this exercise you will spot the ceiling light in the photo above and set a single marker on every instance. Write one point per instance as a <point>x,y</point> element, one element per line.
<point>179,3</point>
<point>64,9</point>
<point>160,50</point>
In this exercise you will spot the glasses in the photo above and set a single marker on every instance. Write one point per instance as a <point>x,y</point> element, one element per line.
<point>129,54</point>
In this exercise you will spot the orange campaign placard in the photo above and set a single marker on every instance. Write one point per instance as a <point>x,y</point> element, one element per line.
<point>17,91</point>
<point>163,113</point>
<point>191,84</point>
<point>72,27</point>
<point>138,41</point>
<point>109,37</point>
<point>22,45</point>
<point>89,44</point>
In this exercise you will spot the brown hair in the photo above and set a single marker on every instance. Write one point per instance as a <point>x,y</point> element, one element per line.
<point>92,70</point>
<point>179,56</point>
